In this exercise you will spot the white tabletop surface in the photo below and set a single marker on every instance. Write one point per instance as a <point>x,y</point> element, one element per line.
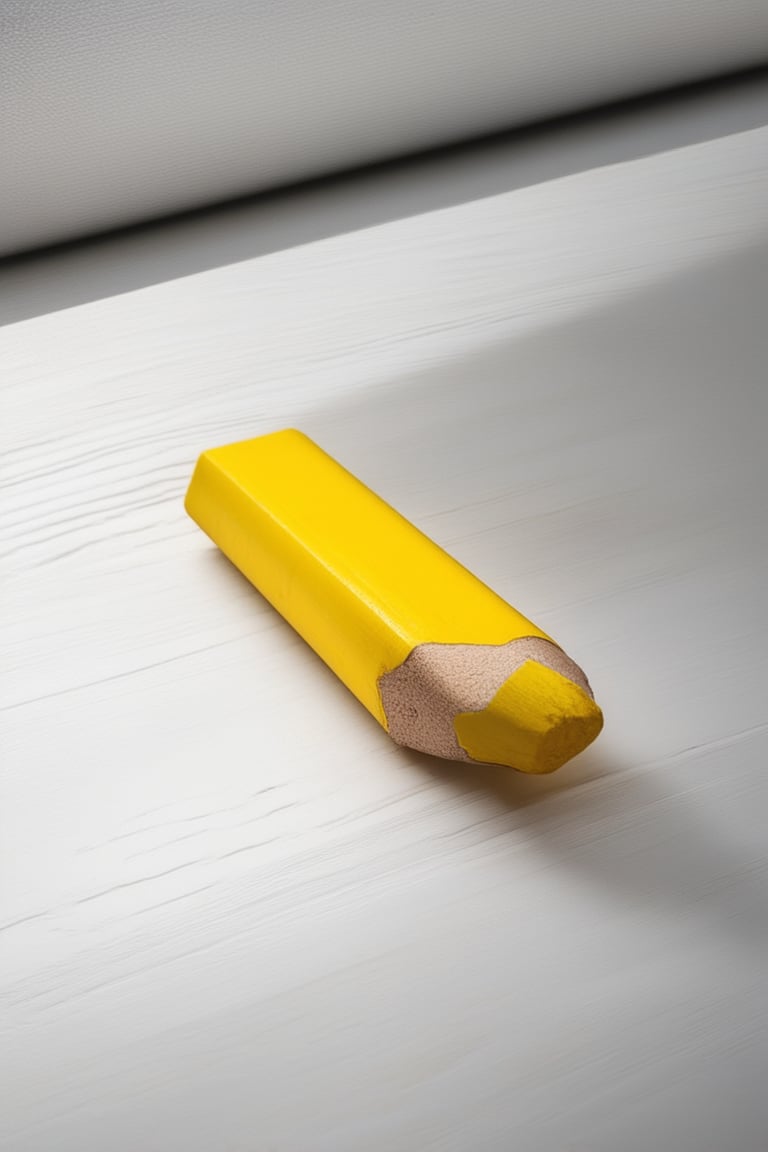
<point>225,931</point>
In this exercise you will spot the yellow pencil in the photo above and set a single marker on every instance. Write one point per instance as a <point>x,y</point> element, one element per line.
<point>443,663</point>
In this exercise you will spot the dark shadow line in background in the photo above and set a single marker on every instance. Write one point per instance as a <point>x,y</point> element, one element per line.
<point>81,271</point>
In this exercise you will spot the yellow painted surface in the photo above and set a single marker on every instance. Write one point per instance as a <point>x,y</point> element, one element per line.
<point>545,718</point>
<point>360,583</point>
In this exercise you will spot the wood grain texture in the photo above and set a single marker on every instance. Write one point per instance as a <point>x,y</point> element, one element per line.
<point>219,932</point>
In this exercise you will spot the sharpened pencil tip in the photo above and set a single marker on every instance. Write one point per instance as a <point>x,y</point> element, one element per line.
<point>537,721</point>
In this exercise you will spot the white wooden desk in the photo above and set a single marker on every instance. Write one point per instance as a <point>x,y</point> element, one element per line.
<point>219,933</point>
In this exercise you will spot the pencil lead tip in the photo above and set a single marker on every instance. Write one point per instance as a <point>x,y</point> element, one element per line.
<point>537,721</point>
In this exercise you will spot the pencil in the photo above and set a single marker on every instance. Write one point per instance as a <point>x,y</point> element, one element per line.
<point>445,665</point>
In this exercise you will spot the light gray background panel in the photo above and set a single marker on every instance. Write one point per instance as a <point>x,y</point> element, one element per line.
<point>115,112</point>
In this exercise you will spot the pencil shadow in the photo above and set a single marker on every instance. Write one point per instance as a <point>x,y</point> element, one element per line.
<point>625,831</point>
<point>653,411</point>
